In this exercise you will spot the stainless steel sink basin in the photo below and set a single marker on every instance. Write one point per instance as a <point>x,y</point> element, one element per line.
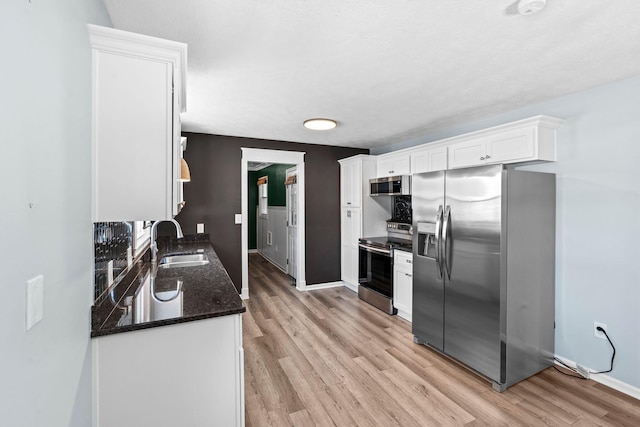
<point>183,260</point>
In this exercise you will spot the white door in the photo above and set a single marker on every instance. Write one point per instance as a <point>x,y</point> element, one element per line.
<point>292,221</point>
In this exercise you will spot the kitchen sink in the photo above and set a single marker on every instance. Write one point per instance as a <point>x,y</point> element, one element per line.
<point>183,260</point>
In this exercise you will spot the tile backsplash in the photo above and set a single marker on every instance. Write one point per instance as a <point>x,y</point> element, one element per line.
<point>110,241</point>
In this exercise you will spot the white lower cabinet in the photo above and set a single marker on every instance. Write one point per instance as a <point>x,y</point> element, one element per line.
<point>403,283</point>
<point>187,374</point>
<point>351,232</point>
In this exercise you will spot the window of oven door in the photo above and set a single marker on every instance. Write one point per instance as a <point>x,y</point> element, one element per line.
<point>376,271</point>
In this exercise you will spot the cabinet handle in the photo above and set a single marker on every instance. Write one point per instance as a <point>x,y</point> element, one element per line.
<point>348,214</point>
<point>407,274</point>
<point>487,156</point>
<point>408,260</point>
<point>481,158</point>
<point>348,203</point>
<point>391,171</point>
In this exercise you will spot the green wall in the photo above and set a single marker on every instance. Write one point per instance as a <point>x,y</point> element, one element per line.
<point>276,194</point>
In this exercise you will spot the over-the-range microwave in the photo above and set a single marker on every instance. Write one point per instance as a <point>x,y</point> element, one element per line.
<point>390,186</point>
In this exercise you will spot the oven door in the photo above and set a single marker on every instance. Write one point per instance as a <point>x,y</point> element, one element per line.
<point>376,269</point>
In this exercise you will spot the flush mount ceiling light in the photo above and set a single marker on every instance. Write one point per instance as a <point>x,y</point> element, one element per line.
<point>319,124</point>
<point>529,7</point>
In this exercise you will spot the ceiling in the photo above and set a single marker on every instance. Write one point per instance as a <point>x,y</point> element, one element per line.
<point>387,71</point>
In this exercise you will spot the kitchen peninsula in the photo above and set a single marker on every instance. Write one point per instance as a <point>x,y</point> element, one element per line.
<point>167,344</point>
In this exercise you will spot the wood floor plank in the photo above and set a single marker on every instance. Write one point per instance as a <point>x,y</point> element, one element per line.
<point>308,394</point>
<point>326,358</point>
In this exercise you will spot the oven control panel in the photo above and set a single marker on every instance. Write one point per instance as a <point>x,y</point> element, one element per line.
<point>399,227</point>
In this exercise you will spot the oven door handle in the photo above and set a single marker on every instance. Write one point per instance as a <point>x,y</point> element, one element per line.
<point>386,252</point>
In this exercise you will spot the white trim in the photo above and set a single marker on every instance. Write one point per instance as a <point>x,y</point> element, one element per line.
<point>607,380</point>
<point>125,42</point>
<point>350,286</point>
<point>406,316</point>
<point>253,251</point>
<point>272,262</point>
<point>273,156</point>
<point>327,285</point>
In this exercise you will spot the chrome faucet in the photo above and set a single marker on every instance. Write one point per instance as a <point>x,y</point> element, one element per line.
<point>154,235</point>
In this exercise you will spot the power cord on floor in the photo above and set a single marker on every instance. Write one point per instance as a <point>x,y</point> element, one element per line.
<point>575,371</point>
<point>569,368</point>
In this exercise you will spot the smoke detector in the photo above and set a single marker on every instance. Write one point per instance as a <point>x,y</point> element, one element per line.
<point>529,7</point>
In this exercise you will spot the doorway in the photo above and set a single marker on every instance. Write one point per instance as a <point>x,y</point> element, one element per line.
<point>291,206</point>
<point>275,156</point>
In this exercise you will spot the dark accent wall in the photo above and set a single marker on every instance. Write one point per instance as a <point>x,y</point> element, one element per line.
<point>214,193</point>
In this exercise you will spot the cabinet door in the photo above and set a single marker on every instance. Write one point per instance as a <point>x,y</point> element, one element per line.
<point>512,146</point>
<point>350,227</point>
<point>467,153</point>
<point>403,292</point>
<point>130,154</point>
<point>429,160</point>
<point>394,165</point>
<point>351,184</point>
<point>350,233</point>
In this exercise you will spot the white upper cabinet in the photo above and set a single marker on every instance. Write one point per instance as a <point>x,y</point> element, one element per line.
<point>351,183</point>
<point>429,159</point>
<point>467,153</point>
<point>394,164</point>
<point>138,89</point>
<point>522,141</point>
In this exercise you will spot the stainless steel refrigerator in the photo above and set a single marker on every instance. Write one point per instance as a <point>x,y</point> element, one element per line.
<point>484,269</point>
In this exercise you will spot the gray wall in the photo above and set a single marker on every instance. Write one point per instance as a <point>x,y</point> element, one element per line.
<point>213,197</point>
<point>598,221</point>
<point>45,373</point>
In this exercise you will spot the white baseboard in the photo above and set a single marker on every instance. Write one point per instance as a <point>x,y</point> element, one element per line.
<point>350,286</point>
<point>404,315</point>
<point>607,380</point>
<point>324,286</point>
<point>252,251</point>
<point>244,294</point>
<point>276,265</point>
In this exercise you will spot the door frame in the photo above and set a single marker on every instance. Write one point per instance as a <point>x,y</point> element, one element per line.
<point>272,156</point>
<point>289,171</point>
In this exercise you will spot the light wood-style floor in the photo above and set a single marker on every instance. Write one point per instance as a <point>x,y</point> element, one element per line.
<point>326,358</point>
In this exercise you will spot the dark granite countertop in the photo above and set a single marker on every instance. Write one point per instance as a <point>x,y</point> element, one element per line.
<point>148,296</point>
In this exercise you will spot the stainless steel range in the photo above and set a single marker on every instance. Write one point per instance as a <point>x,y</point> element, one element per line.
<point>376,264</point>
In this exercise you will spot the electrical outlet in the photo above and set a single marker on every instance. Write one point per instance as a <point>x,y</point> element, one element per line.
<point>596,332</point>
<point>200,228</point>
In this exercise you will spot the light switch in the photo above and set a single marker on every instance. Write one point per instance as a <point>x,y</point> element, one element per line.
<point>238,218</point>
<point>35,301</point>
<point>199,228</point>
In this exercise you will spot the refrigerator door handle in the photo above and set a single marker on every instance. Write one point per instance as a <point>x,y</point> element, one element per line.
<point>438,241</point>
<point>446,244</point>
